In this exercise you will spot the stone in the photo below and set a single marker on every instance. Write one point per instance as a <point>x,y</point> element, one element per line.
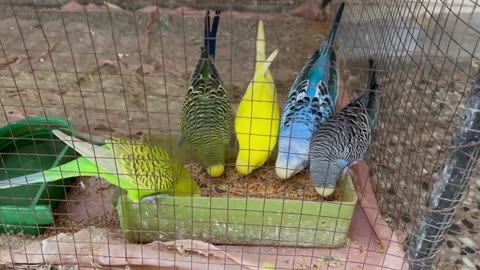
<point>468,262</point>
<point>468,223</point>
<point>454,229</point>
<point>466,241</point>
<point>450,244</point>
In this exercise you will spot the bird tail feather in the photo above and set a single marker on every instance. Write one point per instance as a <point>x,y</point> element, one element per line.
<point>372,81</point>
<point>333,30</point>
<point>67,170</point>
<point>266,64</point>
<point>260,57</point>
<point>210,36</point>
<point>373,105</point>
<point>34,178</point>
<point>103,158</point>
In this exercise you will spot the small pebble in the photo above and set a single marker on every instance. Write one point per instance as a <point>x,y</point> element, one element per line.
<point>467,242</point>
<point>450,244</point>
<point>300,186</point>
<point>458,261</point>
<point>454,229</point>
<point>468,224</point>
<point>425,185</point>
<point>391,191</point>
<point>406,218</point>
<point>221,188</point>
<point>469,250</point>
<point>468,262</point>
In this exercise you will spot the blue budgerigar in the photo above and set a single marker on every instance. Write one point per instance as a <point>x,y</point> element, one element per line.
<point>312,100</point>
<point>343,140</point>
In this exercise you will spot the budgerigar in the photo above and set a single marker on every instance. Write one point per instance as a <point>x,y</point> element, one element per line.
<point>141,169</point>
<point>343,140</point>
<point>207,119</point>
<point>312,100</point>
<point>258,115</point>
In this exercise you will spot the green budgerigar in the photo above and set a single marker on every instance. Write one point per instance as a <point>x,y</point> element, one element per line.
<point>143,170</point>
<point>207,119</point>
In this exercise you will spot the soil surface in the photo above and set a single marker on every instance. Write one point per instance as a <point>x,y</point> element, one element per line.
<point>122,73</point>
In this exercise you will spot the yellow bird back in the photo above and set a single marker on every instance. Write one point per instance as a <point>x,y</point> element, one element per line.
<point>258,116</point>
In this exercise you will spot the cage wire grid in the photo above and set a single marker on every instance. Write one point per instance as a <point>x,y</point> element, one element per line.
<point>114,72</point>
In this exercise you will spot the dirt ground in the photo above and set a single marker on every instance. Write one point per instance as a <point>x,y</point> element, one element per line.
<point>145,61</point>
<point>117,95</point>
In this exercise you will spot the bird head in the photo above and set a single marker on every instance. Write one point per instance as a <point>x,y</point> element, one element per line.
<point>212,157</point>
<point>324,175</point>
<point>185,185</point>
<point>215,170</point>
<point>292,156</point>
<point>248,160</point>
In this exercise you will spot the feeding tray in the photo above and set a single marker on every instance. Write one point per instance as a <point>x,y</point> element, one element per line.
<point>239,220</point>
<point>28,146</point>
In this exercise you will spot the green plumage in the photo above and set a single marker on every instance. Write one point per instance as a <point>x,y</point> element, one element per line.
<point>207,119</point>
<point>143,169</point>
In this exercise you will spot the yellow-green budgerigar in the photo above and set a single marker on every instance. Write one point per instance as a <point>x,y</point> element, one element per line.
<point>207,120</point>
<point>258,116</point>
<point>140,168</point>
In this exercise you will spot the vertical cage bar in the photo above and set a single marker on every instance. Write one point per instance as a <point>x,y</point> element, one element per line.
<point>449,188</point>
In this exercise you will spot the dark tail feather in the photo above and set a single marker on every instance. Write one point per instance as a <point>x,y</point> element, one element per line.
<point>206,34</point>
<point>372,77</point>
<point>333,30</point>
<point>210,36</point>
<point>373,105</point>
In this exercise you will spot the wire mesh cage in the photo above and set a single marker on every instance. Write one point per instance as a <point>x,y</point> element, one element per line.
<point>110,159</point>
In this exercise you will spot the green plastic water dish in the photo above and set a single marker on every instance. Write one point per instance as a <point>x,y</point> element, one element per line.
<point>28,146</point>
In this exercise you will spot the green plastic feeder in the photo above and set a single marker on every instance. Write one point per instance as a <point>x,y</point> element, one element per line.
<point>28,146</point>
<point>239,221</point>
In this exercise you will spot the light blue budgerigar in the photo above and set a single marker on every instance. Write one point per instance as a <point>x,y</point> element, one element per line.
<point>343,140</point>
<point>312,100</point>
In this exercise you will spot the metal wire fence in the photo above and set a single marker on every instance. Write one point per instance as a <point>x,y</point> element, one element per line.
<point>121,69</point>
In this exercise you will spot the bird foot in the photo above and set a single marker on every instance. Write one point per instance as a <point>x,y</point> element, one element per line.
<point>180,139</point>
<point>153,199</point>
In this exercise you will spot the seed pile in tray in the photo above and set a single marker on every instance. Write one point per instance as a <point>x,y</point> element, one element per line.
<point>261,183</point>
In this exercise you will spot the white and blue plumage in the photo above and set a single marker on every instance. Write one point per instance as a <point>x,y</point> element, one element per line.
<point>343,140</point>
<point>312,100</point>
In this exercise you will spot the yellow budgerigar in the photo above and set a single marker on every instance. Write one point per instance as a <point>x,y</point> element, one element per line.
<point>258,115</point>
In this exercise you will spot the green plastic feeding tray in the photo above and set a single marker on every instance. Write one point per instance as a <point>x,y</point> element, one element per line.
<point>240,220</point>
<point>28,146</point>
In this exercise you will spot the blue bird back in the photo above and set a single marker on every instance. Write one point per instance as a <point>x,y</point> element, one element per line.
<point>312,100</point>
